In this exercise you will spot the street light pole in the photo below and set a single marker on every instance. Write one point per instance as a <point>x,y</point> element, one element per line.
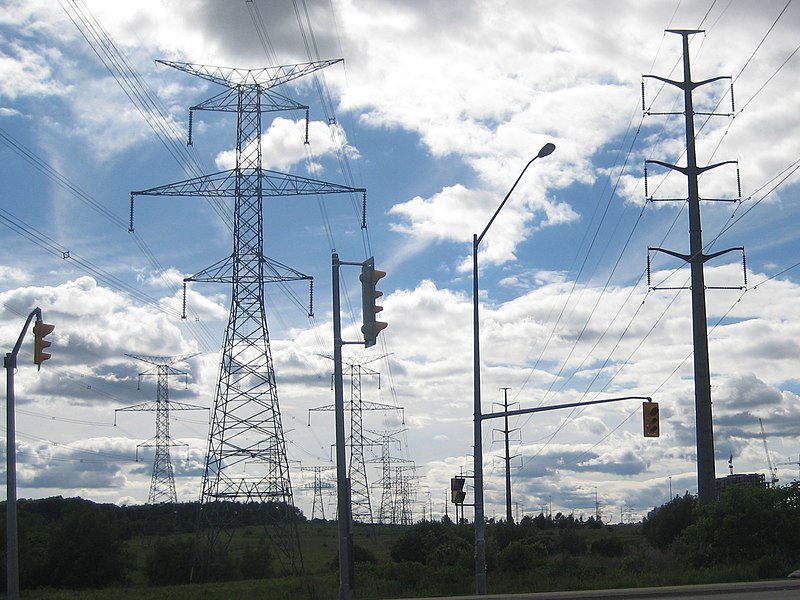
<point>480,525</point>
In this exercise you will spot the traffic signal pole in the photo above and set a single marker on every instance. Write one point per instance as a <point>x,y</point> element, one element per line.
<point>344,518</point>
<point>370,329</point>
<point>10,363</point>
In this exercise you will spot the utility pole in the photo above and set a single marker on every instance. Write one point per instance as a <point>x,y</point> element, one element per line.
<point>162,482</point>
<point>596,506</point>
<point>247,456</point>
<point>706,476</point>
<point>40,331</point>
<point>507,459</point>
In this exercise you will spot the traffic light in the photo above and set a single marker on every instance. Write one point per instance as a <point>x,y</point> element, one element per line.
<point>457,493</point>
<point>40,330</point>
<point>652,427</point>
<point>369,277</point>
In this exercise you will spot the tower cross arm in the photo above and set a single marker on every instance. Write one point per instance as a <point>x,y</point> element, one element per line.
<point>267,77</point>
<point>228,101</point>
<point>223,184</point>
<point>687,85</point>
<point>216,185</point>
<point>162,360</point>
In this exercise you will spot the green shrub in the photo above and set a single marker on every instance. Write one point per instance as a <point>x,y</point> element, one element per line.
<point>571,542</point>
<point>256,561</point>
<point>362,555</point>
<point>516,557</point>
<point>86,552</point>
<point>169,561</point>
<point>663,525</point>
<point>608,546</point>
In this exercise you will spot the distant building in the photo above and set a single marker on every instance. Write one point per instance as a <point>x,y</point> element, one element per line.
<point>749,479</point>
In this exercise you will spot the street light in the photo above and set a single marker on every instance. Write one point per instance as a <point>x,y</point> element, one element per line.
<point>480,526</point>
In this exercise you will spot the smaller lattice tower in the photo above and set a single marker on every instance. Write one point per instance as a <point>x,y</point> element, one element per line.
<point>387,483</point>
<point>357,467</point>
<point>319,486</point>
<point>162,483</point>
<point>405,482</point>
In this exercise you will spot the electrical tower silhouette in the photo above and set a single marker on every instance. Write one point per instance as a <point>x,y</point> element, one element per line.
<point>389,486</point>
<point>247,460</point>
<point>162,482</point>
<point>706,476</point>
<point>357,468</point>
<point>507,458</point>
<point>318,486</point>
<point>405,486</point>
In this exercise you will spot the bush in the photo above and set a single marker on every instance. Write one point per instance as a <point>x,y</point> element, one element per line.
<point>256,562</point>
<point>516,557</point>
<point>362,555</point>
<point>663,525</point>
<point>419,543</point>
<point>169,561</point>
<point>571,542</point>
<point>746,524</point>
<point>86,551</point>
<point>608,547</point>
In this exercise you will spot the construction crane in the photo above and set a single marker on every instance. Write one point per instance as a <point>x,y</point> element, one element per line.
<point>796,462</point>
<point>773,470</point>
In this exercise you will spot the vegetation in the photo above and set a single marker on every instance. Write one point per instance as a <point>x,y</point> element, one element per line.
<point>72,548</point>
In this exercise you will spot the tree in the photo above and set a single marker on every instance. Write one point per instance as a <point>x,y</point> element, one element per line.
<point>746,524</point>
<point>169,561</point>
<point>86,551</point>
<point>664,524</point>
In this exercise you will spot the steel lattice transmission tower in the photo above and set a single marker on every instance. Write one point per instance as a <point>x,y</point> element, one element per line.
<point>162,482</point>
<point>246,429</point>
<point>406,490</point>
<point>318,486</point>
<point>387,483</point>
<point>357,467</point>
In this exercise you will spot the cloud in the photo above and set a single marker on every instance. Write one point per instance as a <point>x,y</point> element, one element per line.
<point>283,146</point>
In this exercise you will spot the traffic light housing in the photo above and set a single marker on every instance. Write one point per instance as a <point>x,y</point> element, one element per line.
<point>457,493</point>
<point>40,331</point>
<point>652,427</point>
<point>369,277</point>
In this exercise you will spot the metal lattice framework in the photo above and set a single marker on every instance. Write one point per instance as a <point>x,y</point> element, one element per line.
<point>357,467</point>
<point>162,482</point>
<point>387,483</point>
<point>319,486</point>
<point>247,460</point>
<point>405,483</point>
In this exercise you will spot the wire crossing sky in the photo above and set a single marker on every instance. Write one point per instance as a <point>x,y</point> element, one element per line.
<point>434,110</point>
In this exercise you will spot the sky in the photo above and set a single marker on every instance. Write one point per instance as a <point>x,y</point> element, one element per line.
<point>435,109</point>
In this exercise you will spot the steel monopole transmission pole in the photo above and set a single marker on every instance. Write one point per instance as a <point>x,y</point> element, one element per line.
<point>702,378</point>
<point>706,475</point>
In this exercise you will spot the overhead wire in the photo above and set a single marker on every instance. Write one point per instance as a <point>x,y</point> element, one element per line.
<point>47,243</point>
<point>139,93</point>
<point>564,421</point>
<point>312,50</point>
